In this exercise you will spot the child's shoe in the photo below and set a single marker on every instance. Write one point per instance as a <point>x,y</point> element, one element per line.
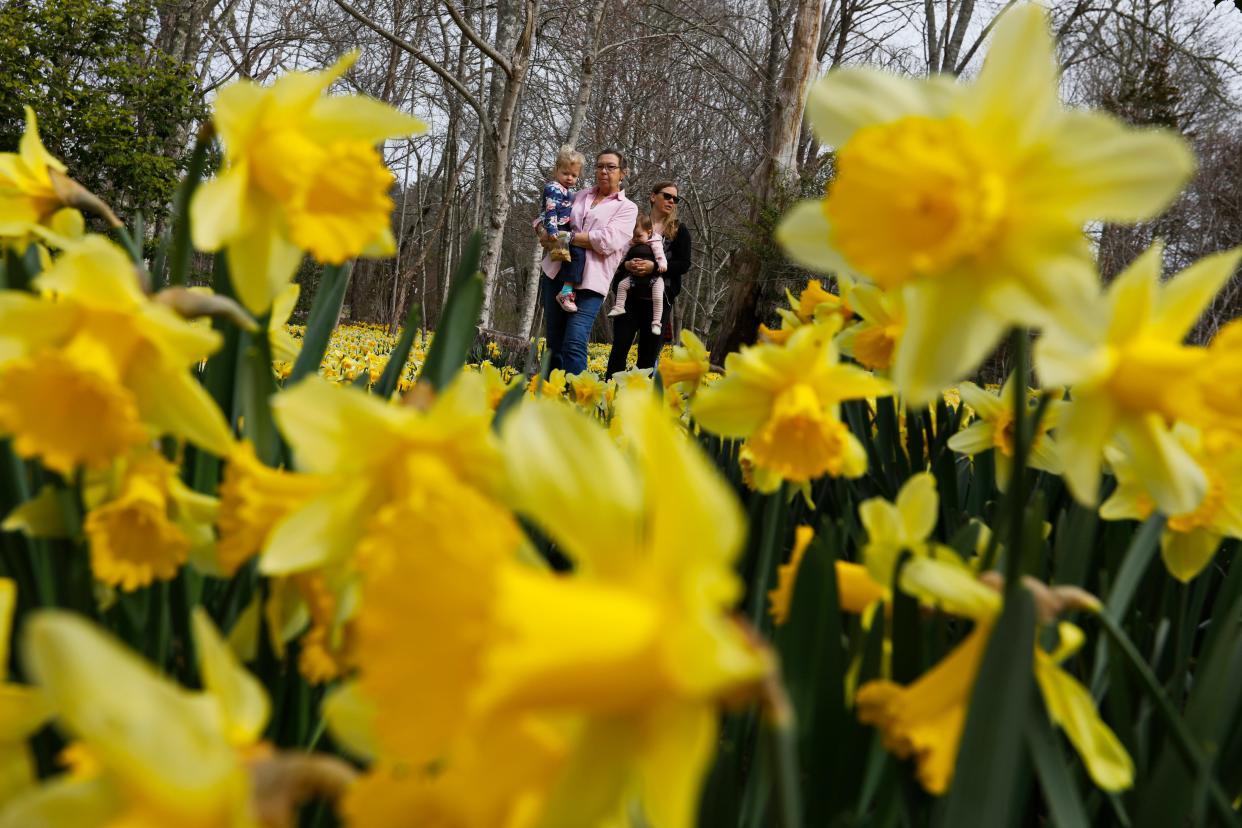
<point>617,310</point>
<point>655,328</point>
<point>567,303</point>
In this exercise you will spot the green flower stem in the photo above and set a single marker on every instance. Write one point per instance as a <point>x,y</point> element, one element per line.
<point>1021,448</point>
<point>769,540</point>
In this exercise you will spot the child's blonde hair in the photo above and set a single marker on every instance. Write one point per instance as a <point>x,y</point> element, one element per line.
<point>567,158</point>
<point>643,222</point>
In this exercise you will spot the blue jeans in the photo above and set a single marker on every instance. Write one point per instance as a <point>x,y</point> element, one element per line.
<point>567,333</point>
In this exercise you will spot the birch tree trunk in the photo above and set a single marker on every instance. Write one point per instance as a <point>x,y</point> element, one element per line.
<point>586,83</point>
<point>499,181</point>
<point>770,180</point>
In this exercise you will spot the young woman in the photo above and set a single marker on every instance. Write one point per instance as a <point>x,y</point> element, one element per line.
<point>636,321</point>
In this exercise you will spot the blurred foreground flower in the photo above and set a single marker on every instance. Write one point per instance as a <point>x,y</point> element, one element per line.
<point>994,181</point>
<point>301,173</point>
<point>148,752</point>
<point>546,699</point>
<point>93,367</point>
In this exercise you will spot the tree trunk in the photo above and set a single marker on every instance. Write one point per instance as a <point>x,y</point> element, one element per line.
<point>498,185</point>
<point>770,181</point>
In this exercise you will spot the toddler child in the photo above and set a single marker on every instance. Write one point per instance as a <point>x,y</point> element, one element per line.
<point>558,201</point>
<point>646,246</point>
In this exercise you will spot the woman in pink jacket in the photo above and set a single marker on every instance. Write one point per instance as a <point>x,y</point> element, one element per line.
<point>603,223</point>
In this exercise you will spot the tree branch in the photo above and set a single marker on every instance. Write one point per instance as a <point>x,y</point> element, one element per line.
<point>448,76</point>
<point>473,37</point>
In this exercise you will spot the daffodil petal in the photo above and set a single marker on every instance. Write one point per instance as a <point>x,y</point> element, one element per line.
<point>261,259</point>
<point>216,209</point>
<point>322,531</point>
<point>947,335</point>
<point>1133,294</point>
<point>83,803</point>
<point>1071,707</point>
<point>351,720</point>
<point>1185,297</point>
<point>919,506</point>
<point>359,118</point>
<point>1015,95</point>
<point>975,438</point>
<point>847,100</point>
<point>242,699</point>
<point>952,587</point>
<point>1107,170</point>
<point>674,762</point>
<point>1085,428</point>
<point>1186,554</point>
<point>1175,481</point>
<point>178,404</point>
<point>562,465</point>
<point>986,404</point>
<point>803,233</point>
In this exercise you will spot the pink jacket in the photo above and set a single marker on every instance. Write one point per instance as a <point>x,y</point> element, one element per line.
<point>610,226</point>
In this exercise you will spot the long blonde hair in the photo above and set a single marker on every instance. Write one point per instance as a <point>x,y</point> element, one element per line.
<point>671,224</point>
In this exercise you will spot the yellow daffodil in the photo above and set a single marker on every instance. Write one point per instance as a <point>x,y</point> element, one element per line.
<point>143,523</point>
<point>93,367</point>
<point>1190,538</point>
<point>924,720</point>
<point>901,526</point>
<point>816,304</point>
<point>622,669</point>
<point>993,429</point>
<point>654,539</point>
<point>881,318</point>
<point>22,710</point>
<point>785,400</point>
<point>366,446</point>
<point>159,754</point>
<point>688,364</point>
<point>28,193</point>
<point>588,390</point>
<point>301,174</point>
<point>994,182</point>
<point>1135,377</point>
<point>551,387</point>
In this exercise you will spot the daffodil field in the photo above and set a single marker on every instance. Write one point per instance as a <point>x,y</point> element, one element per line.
<point>262,574</point>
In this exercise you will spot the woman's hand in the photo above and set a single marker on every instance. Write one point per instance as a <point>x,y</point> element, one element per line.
<point>639,267</point>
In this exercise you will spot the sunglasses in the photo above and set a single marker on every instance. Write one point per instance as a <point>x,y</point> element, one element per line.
<point>670,197</point>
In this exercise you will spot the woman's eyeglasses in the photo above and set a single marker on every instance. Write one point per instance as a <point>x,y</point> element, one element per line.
<point>670,197</point>
<point>606,167</point>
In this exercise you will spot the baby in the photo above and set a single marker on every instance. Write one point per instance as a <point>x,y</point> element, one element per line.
<point>646,246</point>
<point>558,202</point>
